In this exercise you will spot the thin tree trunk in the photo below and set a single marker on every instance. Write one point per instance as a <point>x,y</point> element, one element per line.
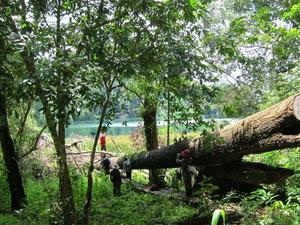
<point>58,136</point>
<point>88,203</point>
<point>17,192</point>
<point>35,144</point>
<point>65,186</point>
<point>23,122</point>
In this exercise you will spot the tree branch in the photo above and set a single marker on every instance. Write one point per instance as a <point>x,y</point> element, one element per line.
<point>22,125</point>
<point>115,87</point>
<point>35,144</point>
<point>134,92</point>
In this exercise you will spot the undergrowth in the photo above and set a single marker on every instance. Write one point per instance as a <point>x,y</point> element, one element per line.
<point>276,204</point>
<point>129,208</point>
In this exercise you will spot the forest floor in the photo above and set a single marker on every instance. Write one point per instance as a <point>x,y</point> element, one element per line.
<point>271,204</point>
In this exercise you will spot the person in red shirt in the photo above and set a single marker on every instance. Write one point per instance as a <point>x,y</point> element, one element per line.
<point>102,140</point>
<point>184,159</point>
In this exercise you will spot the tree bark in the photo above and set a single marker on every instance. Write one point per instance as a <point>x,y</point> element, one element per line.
<point>88,203</point>
<point>149,117</point>
<point>275,128</point>
<point>16,188</point>
<point>65,187</point>
<point>58,136</point>
<point>57,129</point>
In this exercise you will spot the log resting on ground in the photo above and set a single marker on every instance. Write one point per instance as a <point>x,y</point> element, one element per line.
<point>274,128</point>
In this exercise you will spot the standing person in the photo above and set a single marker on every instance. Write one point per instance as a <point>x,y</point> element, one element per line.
<point>115,177</point>
<point>105,163</point>
<point>184,159</point>
<point>127,168</point>
<point>102,140</point>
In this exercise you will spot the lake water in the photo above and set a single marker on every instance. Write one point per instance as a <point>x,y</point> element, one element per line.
<point>87,128</point>
<point>116,128</point>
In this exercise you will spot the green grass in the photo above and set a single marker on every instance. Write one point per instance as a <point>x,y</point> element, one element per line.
<point>138,209</point>
<point>129,208</point>
<point>134,208</point>
<point>40,196</point>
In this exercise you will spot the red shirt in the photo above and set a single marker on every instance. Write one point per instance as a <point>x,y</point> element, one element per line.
<point>102,139</point>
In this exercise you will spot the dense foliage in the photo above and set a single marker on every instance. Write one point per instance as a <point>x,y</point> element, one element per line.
<point>63,60</point>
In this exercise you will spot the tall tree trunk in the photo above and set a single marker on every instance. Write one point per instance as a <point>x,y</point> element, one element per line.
<point>88,203</point>
<point>149,117</point>
<point>17,192</point>
<point>66,192</point>
<point>168,119</point>
<point>58,135</point>
<point>65,186</point>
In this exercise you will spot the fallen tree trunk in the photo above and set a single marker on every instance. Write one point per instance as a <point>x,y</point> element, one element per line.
<point>275,128</point>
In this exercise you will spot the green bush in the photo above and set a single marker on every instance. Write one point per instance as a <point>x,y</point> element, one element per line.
<point>40,195</point>
<point>172,178</point>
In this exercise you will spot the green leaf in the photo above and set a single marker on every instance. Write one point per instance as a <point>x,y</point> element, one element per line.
<point>216,216</point>
<point>192,3</point>
<point>66,5</point>
<point>252,39</point>
<point>238,25</point>
<point>294,12</point>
